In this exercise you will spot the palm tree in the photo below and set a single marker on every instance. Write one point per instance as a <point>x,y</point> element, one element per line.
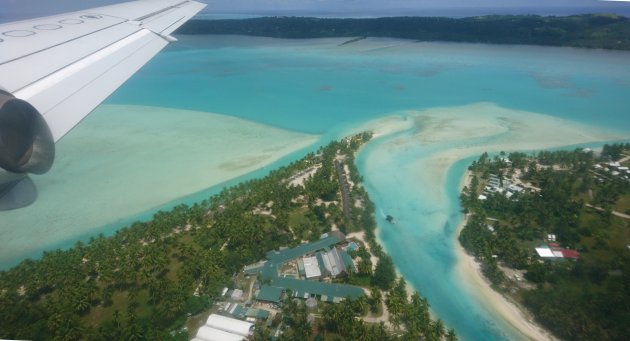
<point>437,329</point>
<point>376,299</point>
<point>450,335</point>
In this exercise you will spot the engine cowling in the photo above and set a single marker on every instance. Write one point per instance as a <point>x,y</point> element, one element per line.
<point>26,143</point>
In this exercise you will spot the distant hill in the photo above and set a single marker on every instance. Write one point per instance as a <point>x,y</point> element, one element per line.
<point>605,31</point>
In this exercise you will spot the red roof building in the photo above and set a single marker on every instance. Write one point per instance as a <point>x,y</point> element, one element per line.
<point>566,253</point>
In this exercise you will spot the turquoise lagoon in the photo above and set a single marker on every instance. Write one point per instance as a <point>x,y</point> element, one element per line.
<point>321,87</point>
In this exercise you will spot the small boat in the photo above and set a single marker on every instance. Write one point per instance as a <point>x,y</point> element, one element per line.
<point>390,219</point>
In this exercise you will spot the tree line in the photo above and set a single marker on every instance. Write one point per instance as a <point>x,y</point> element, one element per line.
<point>605,31</point>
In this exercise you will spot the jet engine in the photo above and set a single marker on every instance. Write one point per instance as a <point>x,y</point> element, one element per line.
<point>26,147</point>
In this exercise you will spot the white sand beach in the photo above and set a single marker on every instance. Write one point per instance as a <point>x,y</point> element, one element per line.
<point>124,160</point>
<point>471,271</point>
<point>446,135</point>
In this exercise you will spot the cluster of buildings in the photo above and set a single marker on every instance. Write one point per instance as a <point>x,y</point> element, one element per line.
<point>496,185</point>
<point>613,169</point>
<point>330,263</point>
<point>315,264</point>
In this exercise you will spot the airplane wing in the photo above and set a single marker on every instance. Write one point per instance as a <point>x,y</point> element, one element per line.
<point>65,65</point>
<point>55,70</point>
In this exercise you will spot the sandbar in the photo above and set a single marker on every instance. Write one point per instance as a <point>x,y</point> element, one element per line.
<point>123,160</point>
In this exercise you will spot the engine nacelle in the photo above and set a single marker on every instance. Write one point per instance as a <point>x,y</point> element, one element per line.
<point>26,143</point>
<point>26,146</point>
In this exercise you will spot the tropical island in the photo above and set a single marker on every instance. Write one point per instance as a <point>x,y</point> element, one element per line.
<point>601,31</point>
<point>551,231</point>
<point>294,253</point>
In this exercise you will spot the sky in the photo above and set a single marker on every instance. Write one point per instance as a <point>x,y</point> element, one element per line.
<point>22,9</point>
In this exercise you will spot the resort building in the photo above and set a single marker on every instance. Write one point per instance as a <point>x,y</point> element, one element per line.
<point>315,260</point>
<point>311,267</point>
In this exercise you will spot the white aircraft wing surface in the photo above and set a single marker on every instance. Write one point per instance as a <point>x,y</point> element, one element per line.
<point>65,65</point>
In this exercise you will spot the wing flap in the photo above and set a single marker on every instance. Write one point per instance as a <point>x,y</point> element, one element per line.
<point>167,22</point>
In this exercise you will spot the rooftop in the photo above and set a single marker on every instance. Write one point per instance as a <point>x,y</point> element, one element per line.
<point>270,294</point>
<point>272,291</point>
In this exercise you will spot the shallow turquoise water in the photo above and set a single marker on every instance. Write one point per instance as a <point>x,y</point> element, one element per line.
<point>316,86</point>
<point>313,85</point>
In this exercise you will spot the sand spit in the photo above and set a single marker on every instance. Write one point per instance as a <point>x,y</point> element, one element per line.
<point>124,160</point>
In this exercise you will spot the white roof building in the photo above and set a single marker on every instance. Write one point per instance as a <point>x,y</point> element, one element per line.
<point>228,324</point>
<point>311,267</point>
<point>206,333</point>
<point>544,252</point>
<point>333,262</point>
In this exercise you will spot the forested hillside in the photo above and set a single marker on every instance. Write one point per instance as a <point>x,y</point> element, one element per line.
<point>589,31</point>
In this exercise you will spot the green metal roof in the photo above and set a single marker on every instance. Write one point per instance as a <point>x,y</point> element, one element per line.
<point>280,257</point>
<point>239,311</point>
<point>270,293</point>
<point>262,314</point>
<point>301,288</point>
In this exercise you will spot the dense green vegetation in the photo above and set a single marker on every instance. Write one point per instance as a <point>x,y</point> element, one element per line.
<point>589,31</point>
<point>144,281</point>
<point>141,282</point>
<point>409,318</point>
<point>575,200</point>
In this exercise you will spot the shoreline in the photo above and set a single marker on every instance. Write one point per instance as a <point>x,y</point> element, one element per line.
<point>511,312</point>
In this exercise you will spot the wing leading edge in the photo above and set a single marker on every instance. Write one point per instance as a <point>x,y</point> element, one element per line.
<point>65,65</point>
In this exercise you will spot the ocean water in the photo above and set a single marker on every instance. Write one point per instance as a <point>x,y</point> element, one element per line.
<point>323,87</point>
<point>313,85</point>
